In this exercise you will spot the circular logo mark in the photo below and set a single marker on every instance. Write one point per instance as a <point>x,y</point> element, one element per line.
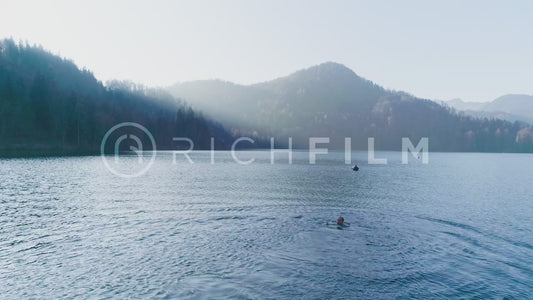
<point>138,149</point>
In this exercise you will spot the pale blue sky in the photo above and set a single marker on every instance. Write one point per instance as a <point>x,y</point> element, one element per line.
<point>474,50</point>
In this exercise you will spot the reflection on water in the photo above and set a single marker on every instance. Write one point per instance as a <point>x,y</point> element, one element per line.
<point>457,227</point>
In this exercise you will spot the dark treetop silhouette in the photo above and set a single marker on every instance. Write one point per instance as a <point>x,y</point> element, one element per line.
<point>49,106</point>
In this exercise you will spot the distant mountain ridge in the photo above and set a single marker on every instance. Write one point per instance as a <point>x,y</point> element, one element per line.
<point>511,107</point>
<point>333,101</point>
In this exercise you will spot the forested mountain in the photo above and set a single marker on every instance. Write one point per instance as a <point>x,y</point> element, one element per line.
<point>331,100</point>
<point>49,106</point>
<point>510,107</point>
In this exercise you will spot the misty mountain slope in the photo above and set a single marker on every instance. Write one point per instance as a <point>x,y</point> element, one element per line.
<point>464,106</point>
<point>320,97</point>
<point>316,85</point>
<point>49,106</point>
<point>512,107</point>
<point>231,103</point>
<point>333,101</point>
<point>513,104</point>
<point>289,105</point>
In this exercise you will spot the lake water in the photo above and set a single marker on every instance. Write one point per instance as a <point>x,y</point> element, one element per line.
<point>458,227</point>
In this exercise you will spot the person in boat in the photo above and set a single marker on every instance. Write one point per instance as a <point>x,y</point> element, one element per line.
<point>340,221</point>
<point>355,168</point>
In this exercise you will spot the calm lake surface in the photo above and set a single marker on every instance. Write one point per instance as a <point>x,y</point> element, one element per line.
<point>458,227</point>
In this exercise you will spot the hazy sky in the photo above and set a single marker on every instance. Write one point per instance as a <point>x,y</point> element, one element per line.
<point>474,50</point>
